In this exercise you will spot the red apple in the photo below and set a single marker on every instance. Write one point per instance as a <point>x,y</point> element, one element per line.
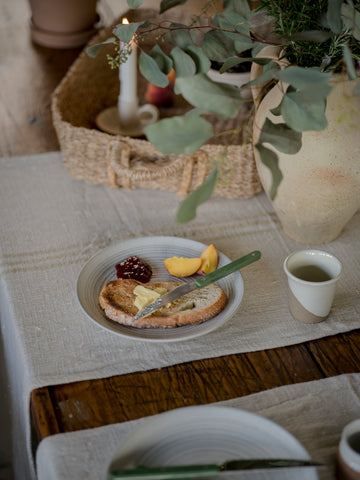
<point>161,97</point>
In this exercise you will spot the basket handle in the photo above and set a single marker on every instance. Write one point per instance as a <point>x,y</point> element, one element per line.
<point>191,169</point>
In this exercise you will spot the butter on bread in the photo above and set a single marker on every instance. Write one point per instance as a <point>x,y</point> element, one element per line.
<point>117,299</point>
<point>144,295</point>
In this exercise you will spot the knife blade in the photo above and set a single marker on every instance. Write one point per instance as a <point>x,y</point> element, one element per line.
<point>208,470</point>
<point>198,283</point>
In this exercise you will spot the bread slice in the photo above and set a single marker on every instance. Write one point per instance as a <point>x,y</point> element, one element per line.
<point>117,300</point>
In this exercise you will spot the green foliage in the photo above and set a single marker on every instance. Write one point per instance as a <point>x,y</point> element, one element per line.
<point>318,38</point>
<point>280,136</point>
<point>125,32</point>
<point>167,4</point>
<point>95,49</point>
<point>151,71</point>
<point>337,19</point>
<point>187,209</point>
<point>225,99</point>
<point>134,3</point>
<point>270,159</point>
<point>163,61</point>
<point>179,134</point>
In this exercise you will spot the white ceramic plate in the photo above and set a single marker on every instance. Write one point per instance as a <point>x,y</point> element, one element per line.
<point>100,269</point>
<point>212,434</point>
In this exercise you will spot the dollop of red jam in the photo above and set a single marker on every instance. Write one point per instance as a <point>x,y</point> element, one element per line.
<point>134,268</point>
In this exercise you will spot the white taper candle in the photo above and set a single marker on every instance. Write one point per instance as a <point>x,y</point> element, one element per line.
<point>128,101</point>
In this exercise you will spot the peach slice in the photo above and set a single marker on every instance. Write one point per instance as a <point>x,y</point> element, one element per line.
<point>182,266</point>
<point>209,260</point>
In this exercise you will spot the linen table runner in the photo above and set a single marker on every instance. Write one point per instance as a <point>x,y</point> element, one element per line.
<point>314,412</point>
<point>51,225</point>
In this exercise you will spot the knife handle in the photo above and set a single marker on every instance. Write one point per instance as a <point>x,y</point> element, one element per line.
<point>166,473</point>
<point>227,269</point>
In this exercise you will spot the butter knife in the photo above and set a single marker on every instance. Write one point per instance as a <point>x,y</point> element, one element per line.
<point>206,471</point>
<point>198,283</point>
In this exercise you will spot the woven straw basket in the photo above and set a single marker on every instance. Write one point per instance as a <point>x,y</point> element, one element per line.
<point>90,86</point>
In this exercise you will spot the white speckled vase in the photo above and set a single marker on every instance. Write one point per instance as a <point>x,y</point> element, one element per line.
<point>320,190</point>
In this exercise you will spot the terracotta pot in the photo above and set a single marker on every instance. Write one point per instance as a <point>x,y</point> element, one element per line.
<point>63,23</point>
<point>320,190</point>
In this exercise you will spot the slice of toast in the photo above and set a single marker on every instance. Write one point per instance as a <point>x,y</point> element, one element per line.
<point>117,300</point>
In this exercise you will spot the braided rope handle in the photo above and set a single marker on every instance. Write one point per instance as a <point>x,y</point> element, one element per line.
<point>191,169</point>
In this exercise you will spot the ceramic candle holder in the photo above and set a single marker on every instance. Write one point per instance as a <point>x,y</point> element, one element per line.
<point>108,120</point>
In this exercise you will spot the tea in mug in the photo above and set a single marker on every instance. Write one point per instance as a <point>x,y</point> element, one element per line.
<point>311,273</point>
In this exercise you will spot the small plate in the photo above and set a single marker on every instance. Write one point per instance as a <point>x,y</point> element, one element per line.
<point>100,269</point>
<point>212,434</point>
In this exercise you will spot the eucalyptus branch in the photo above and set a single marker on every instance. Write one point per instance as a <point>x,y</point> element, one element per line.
<point>159,26</point>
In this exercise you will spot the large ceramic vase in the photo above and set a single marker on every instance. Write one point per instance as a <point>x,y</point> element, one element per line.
<point>320,190</point>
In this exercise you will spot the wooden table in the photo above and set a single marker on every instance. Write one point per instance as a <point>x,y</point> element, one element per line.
<point>29,74</point>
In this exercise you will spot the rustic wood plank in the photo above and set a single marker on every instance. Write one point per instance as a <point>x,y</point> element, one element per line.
<point>337,354</point>
<point>43,414</point>
<point>120,398</point>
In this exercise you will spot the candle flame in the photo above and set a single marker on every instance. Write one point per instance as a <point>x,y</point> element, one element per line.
<point>125,21</point>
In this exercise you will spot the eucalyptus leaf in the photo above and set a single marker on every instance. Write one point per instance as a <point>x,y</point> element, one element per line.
<point>268,75</point>
<point>256,49</point>
<point>164,62</point>
<point>271,160</point>
<point>125,32</point>
<point>333,16</point>
<point>216,98</point>
<point>280,136</point>
<point>218,46</point>
<point>180,35</point>
<point>315,92</point>
<point>196,111</point>
<point>276,111</point>
<point>238,6</point>
<point>301,77</point>
<point>351,19</point>
<point>184,65</point>
<point>181,134</point>
<point>349,62</point>
<point>232,21</point>
<point>202,62</point>
<point>95,49</point>
<point>151,71</point>
<point>241,44</point>
<point>167,4</point>
<point>187,209</point>
<point>302,116</point>
<point>232,61</point>
<point>134,3</point>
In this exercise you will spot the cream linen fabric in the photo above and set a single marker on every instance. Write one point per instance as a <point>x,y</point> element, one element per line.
<point>314,412</point>
<point>51,225</point>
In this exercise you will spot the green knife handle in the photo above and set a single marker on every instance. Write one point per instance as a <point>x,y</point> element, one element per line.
<point>166,473</point>
<point>227,269</point>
